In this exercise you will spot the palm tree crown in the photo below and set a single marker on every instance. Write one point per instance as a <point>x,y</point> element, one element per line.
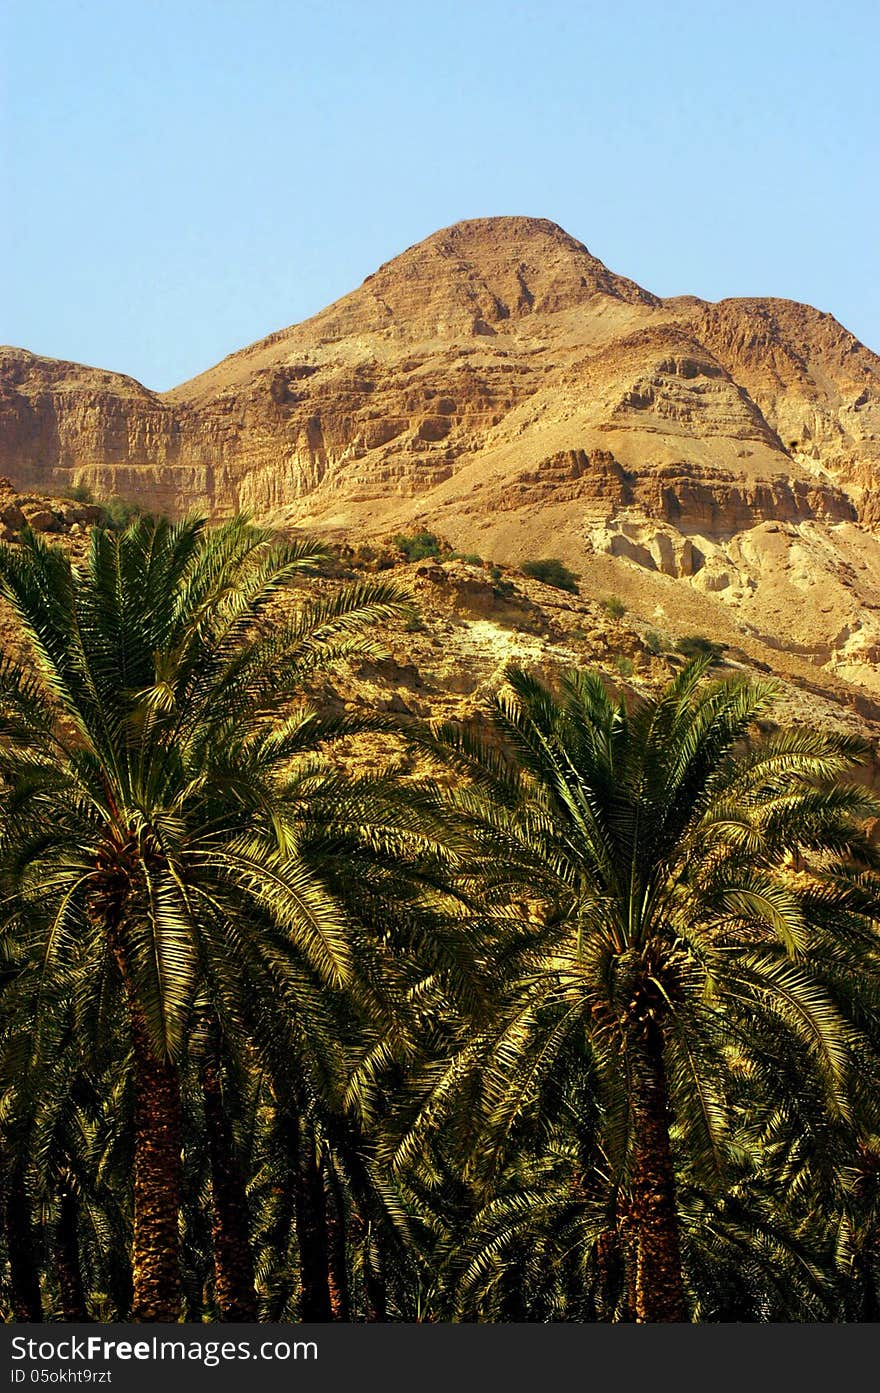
<point>154,827</point>
<point>689,894</point>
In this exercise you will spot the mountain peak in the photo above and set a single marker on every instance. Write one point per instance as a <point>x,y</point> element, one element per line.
<point>479,274</point>
<point>475,279</point>
<point>505,237</point>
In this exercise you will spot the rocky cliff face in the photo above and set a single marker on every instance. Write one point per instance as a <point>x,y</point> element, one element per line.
<point>716,464</point>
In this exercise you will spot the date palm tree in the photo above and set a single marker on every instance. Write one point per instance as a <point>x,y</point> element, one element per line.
<point>150,836</point>
<point>686,906</point>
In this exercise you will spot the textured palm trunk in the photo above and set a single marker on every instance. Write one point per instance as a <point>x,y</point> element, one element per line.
<point>67,1261</point>
<point>311,1230</point>
<point>157,1291</point>
<point>23,1271</point>
<point>233,1259</point>
<point>157,1182</point>
<point>658,1289</point>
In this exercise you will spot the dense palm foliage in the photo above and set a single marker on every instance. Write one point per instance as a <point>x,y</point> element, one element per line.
<point>163,839</point>
<point>702,955</point>
<point>579,1022</point>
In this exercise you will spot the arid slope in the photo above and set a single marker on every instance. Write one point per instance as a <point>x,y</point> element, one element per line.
<point>716,464</point>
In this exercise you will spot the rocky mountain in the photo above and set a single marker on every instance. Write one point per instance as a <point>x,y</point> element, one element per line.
<point>713,464</point>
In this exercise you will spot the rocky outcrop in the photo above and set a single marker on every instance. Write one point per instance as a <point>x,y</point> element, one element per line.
<point>67,520</point>
<point>815,383</point>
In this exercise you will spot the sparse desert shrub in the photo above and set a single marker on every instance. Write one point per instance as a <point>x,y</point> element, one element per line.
<point>698,646</point>
<point>623,665</point>
<point>79,493</point>
<point>656,643</point>
<point>470,558</point>
<point>501,587</point>
<point>551,571</point>
<point>613,606</point>
<point>418,547</point>
<point>119,512</point>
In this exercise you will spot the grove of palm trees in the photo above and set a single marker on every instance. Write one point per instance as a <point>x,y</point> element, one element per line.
<point>576,1020</point>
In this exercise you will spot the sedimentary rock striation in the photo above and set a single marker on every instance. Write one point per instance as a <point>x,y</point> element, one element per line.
<point>715,463</point>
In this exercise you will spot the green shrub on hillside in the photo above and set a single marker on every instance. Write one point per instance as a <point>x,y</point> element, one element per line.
<point>553,572</point>
<point>613,606</point>
<point>502,588</point>
<point>419,547</point>
<point>79,493</point>
<point>119,512</point>
<point>698,646</point>
<point>656,643</point>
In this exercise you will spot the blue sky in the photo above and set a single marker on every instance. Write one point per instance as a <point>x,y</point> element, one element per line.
<point>181,177</point>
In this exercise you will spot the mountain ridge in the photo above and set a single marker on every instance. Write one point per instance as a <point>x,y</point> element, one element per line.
<point>497,383</point>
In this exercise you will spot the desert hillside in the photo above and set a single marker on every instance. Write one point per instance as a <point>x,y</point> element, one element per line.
<point>714,465</point>
<point>471,620</point>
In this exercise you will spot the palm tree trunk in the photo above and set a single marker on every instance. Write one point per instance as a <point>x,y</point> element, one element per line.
<point>24,1274</point>
<point>67,1263</point>
<point>311,1230</point>
<point>157,1181</point>
<point>233,1258</point>
<point>659,1284</point>
<point>158,1165</point>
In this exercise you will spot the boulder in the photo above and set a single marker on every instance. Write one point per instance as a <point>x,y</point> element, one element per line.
<point>73,512</point>
<point>434,575</point>
<point>12,517</point>
<point>42,520</point>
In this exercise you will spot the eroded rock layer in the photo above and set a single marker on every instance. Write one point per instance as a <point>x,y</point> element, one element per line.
<point>715,463</point>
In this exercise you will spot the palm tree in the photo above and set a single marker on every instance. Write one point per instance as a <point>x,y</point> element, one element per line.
<point>686,923</point>
<point>150,835</point>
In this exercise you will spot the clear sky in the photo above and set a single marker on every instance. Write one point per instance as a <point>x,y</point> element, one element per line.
<point>180,177</point>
